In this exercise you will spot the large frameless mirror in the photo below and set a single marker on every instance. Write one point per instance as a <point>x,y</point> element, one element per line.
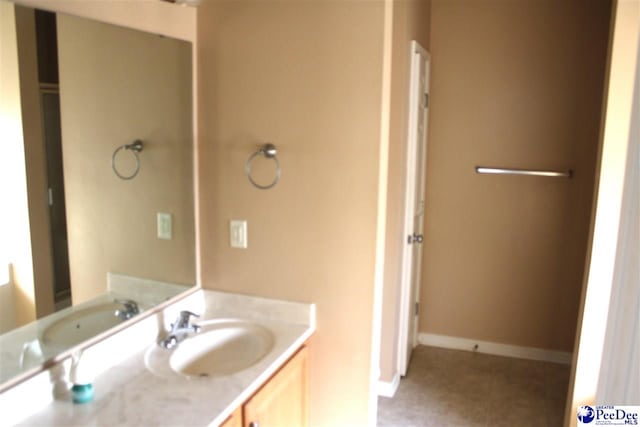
<point>98,219</point>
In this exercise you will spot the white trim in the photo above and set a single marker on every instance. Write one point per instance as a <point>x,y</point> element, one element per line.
<point>388,388</point>
<point>487,347</point>
<point>606,216</point>
<point>381,209</point>
<point>619,377</point>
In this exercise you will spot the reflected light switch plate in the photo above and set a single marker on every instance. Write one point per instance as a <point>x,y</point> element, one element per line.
<point>238,233</point>
<point>165,226</point>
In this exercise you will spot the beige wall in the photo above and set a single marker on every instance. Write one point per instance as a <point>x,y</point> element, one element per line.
<point>514,84</point>
<point>7,303</point>
<point>15,246</point>
<point>306,76</point>
<point>606,255</point>
<point>118,85</point>
<point>411,21</point>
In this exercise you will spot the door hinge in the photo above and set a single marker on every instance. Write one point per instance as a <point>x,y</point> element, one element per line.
<point>417,311</point>
<point>426,100</point>
<point>50,196</point>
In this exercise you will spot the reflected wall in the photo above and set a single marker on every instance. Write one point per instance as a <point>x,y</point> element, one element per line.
<point>111,96</point>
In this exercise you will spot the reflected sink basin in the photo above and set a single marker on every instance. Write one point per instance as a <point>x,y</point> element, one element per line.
<point>81,325</point>
<point>222,347</point>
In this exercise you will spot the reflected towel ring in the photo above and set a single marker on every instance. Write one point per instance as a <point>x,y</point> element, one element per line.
<point>135,147</point>
<point>268,151</point>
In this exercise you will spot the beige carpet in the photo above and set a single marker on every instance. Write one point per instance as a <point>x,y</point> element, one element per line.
<point>459,388</point>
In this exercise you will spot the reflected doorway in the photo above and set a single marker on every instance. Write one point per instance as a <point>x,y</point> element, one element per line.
<point>47,49</point>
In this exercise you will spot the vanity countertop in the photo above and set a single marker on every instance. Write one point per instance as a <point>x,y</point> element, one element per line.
<point>128,394</point>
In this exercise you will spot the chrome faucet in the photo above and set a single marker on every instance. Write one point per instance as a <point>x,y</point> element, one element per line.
<point>130,309</point>
<point>180,329</point>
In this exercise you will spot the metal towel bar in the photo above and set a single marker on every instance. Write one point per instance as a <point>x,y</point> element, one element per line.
<point>508,171</point>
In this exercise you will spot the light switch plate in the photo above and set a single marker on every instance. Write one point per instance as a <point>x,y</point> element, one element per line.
<point>238,233</point>
<point>165,226</point>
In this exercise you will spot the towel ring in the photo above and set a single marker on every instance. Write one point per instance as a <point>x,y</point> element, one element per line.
<point>268,151</point>
<point>135,147</point>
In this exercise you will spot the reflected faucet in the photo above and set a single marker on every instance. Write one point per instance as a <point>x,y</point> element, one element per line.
<point>130,309</point>
<point>32,354</point>
<point>180,329</point>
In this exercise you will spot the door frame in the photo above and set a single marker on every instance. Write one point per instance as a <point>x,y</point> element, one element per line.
<point>407,306</point>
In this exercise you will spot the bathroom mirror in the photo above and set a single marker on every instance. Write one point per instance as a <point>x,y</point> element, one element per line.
<point>98,219</point>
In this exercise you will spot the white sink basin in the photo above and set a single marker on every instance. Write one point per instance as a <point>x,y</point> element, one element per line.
<point>222,347</point>
<point>81,325</point>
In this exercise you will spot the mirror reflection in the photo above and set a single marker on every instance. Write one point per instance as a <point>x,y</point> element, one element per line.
<point>97,180</point>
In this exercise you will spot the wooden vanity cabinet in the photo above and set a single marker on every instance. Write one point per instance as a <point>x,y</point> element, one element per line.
<point>281,401</point>
<point>234,420</point>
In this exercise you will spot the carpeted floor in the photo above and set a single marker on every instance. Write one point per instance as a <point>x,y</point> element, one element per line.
<point>459,388</point>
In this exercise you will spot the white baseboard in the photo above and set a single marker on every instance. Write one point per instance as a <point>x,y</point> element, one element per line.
<point>455,343</point>
<point>388,388</point>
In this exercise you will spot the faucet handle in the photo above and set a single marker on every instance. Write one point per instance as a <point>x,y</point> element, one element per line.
<point>184,317</point>
<point>129,304</point>
<point>130,309</point>
<point>186,314</point>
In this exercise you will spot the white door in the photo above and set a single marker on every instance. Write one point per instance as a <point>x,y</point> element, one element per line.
<point>414,203</point>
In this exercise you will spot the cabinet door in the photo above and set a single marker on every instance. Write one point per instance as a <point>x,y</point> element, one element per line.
<point>282,401</point>
<point>234,420</point>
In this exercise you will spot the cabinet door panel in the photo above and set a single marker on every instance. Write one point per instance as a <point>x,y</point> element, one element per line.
<point>234,420</point>
<point>282,401</point>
